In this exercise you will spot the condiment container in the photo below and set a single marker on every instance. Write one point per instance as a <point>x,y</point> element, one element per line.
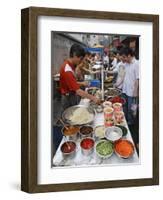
<point>113,133</point>
<point>124,148</point>
<point>86,131</point>
<point>104,149</point>
<point>71,133</point>
<point>109,122</point>
<point>117,107</point>
<point>108,113</point>
<point>107,104</point>
<point>99,132</point>
<point>87,146</point>
<point>99,109</point>
<point>119,116</point>
<point>68,149</point>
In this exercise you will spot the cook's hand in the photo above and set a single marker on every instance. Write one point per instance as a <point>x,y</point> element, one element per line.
<point>97,100</point>
<point>86,83</point>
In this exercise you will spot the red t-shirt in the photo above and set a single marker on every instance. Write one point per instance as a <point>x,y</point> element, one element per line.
<point>68,81</point>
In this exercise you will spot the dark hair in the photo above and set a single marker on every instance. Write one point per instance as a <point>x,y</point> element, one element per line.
<point>112,53</point>
<point>88,53</point>
<point>126,51</point>
<point>77,50</point>
<point>93,55</point>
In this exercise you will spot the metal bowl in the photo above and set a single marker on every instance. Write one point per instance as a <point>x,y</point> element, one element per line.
<point>92,90</point>
<point>68,149</point>
<point>119,154</point>
<point>73,136</point>
<point>84,134</point>
<point>97,108</point>
<point>69,111</point>
<point>113,133</point>
<point>95,132</point>
<point>106,142</point>
<point>112,92</point>
<point>87,151</point>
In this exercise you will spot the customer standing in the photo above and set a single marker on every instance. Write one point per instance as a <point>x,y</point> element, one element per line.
<point>131,81</point>
<point>121,73</point>
<point>69,88</point>
<point>106,61</point>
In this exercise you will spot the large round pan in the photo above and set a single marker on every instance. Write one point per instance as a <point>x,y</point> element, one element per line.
<point>69,112</point>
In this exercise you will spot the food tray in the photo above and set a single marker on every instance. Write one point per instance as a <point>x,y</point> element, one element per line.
<point>112,92</point>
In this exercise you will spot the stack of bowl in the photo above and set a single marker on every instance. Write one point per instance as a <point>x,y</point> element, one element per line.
<point>108,114</point>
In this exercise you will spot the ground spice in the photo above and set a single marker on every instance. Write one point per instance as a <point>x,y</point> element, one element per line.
<point>124,148</point>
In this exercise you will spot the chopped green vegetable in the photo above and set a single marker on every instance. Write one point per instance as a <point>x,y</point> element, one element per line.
<point>104,148</point>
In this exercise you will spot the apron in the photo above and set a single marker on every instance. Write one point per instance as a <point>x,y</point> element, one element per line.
<point>68,100</point>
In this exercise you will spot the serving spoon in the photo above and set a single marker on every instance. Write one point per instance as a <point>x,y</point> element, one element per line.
<point>66,141</point>
<point>63,124</point>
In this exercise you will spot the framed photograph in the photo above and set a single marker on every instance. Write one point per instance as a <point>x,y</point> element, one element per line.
<point>89,99</point>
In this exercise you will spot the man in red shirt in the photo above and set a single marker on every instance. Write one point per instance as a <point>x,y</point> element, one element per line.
<point>69,87</point>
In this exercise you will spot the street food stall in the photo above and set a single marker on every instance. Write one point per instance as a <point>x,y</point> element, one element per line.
<point>96,134</point>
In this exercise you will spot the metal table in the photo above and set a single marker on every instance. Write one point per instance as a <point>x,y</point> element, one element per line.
<point>81,160</point>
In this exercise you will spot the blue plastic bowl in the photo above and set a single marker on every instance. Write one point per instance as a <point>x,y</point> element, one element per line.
<point>95,83</point>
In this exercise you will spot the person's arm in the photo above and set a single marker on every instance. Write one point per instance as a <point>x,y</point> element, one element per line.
<point>86,70</point>
<point>113,71</point>
<point>74,86</point>
<point>136,86</point>
<point>114,63</point>
<point>110,72</point>
<point>84,94</point>
<point>118,84</point>
<point>111,68</point>
<point>82,83</point>
<point>95,72</point>
<point>122,75</point>
<point>91,71</point>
